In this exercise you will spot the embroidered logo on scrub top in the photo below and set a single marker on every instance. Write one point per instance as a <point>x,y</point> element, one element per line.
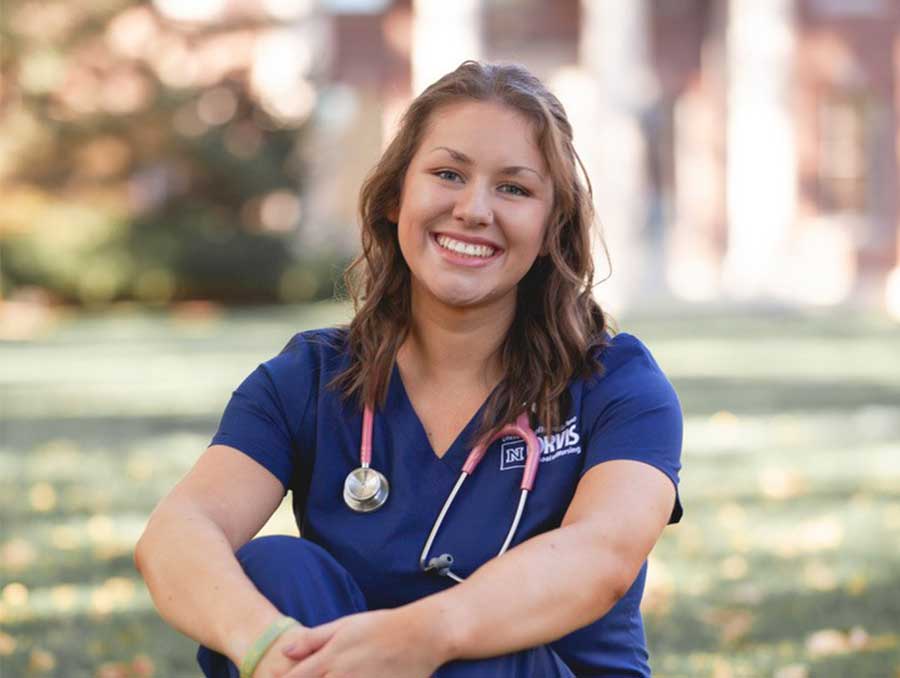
<point>564,441</point>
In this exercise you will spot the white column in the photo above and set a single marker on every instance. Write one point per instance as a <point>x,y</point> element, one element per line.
<point>761,174</point>
<point>892,290</point>
<point>445,33</point>
<point>615,53</point>
<point>892,285</point>
<point>693,266</point>
<point>892,282</point>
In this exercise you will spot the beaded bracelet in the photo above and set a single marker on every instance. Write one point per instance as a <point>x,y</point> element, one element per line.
<point>258,649</point>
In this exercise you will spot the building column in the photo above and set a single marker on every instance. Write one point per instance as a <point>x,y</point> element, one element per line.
<point>892,281</point>
<point>696,237</point>
<point>892,289</point>
<point>761,173</point>
<point>614,52</point>
<point>444,35</point>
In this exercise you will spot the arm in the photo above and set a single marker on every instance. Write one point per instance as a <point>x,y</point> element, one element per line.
<point>561,580</point>
<point>535,593</point>
<point>186,553</point>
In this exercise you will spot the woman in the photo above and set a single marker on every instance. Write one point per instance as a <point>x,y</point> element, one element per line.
<point>474,306</point>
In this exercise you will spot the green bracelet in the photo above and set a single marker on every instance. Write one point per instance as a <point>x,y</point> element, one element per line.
<point>258,649</point>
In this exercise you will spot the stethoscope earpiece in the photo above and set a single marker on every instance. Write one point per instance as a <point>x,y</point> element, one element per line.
<point>440,564</point>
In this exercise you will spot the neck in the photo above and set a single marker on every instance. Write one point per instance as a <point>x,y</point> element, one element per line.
<point>452,345</point>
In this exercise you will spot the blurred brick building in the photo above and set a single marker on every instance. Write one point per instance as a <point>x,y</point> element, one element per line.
<point>738,149</point>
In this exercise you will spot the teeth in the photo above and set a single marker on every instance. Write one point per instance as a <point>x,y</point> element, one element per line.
<point>465,248</point>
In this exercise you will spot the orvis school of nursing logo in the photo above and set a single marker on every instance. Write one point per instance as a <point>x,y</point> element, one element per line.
<point>564,441</point>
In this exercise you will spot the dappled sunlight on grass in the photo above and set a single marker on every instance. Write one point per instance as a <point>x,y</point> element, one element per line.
<point>115,595</point>
<point>724,433</point>
<point>786,564</point>
<point>782,357</point>
<point>787,560</point>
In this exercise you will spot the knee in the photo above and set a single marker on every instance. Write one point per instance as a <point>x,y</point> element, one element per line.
<point>278,555</point>
<point>272,546</point>
<point>283,558</point>
<point>301,578</point>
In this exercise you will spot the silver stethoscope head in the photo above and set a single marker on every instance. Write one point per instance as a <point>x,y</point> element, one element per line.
<point>365,489</point>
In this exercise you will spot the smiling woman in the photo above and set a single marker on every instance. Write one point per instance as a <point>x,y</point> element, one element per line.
<point>459,209</point>
<point>474,309</point>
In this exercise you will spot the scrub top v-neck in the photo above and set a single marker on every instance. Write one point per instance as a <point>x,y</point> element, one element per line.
<point>286,417</point>
<point>459,444</point>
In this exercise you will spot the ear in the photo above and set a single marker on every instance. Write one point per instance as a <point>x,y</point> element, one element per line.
<point>393,210</point>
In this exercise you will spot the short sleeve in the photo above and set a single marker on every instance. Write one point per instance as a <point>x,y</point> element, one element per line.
<point>633,412</point>
<point>257,419</point>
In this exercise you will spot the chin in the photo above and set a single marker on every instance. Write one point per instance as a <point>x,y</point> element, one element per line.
<point>459,301</point>
<point>455,296</point>
<point>466,298</point>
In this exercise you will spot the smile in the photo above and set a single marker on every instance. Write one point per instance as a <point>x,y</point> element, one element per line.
<point>464,248</point>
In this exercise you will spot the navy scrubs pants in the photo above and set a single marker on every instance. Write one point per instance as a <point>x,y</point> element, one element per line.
<point>305,582</point>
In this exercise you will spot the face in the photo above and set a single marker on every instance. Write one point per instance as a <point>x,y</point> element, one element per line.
<point>474,206</point>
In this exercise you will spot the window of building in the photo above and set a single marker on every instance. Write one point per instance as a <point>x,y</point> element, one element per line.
<point>843,157</point>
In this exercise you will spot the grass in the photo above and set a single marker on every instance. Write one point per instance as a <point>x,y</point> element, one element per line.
<point>786,564</point>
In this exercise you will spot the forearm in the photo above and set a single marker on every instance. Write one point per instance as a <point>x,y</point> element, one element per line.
<point>539,591</point>
<point>197,584</point>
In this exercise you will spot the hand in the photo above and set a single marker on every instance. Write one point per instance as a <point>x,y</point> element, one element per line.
<point>275,663</point>
<point>369,645</point>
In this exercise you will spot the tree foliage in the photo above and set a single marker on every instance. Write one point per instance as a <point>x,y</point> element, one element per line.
<point>143,157</point>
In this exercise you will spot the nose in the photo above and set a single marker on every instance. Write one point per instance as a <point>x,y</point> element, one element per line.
<point>473,206</point>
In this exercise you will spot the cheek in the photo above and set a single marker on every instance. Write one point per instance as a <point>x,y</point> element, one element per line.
<point>411,237</point>
<point>403,238</point>
<point>417,212</point>
<point>533,232</point>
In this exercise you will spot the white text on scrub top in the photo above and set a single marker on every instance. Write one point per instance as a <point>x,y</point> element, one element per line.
<point>564,441</point>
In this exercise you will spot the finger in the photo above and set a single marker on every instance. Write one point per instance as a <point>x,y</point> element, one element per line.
<point>311,641</point>
<point>310,667</point>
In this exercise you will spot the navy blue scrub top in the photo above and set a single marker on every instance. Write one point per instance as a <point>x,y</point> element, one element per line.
<point>283,416</point>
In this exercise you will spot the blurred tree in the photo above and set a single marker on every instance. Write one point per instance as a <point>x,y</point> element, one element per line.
<point>150,153</point>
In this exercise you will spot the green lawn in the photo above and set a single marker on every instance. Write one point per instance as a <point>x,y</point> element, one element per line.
<point>786,564</point>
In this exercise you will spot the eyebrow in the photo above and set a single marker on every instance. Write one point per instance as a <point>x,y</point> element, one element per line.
<point>466,160</point>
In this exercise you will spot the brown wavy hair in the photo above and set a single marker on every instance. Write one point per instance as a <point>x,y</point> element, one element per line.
<point>557,323</point>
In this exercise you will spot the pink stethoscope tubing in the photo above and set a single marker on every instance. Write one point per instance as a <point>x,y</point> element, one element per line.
<point>520,428</point>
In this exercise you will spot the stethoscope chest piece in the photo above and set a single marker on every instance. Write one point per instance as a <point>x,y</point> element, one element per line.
<point>365,489</point>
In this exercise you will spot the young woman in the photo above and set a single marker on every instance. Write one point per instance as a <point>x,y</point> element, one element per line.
<point>474,312</point>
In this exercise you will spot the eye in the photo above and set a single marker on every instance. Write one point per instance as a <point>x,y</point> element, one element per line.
<point>518,190</point>
<point>443,174</point>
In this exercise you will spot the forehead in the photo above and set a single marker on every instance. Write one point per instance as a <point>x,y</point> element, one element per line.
<point>485,131</point>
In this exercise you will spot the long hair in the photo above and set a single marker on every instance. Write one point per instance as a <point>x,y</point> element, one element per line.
<point>557,322</point>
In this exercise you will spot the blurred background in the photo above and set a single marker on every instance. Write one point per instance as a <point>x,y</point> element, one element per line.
<point>178,186</point>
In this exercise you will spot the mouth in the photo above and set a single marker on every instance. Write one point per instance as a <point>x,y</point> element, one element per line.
<point>462,248</point>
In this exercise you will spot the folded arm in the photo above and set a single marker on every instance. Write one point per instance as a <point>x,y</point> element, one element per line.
<point>186,553</point>
<point>535,593</point>
<point>564,579</point>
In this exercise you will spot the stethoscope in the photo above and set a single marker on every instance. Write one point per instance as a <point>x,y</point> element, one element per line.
<point>365,489</point>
